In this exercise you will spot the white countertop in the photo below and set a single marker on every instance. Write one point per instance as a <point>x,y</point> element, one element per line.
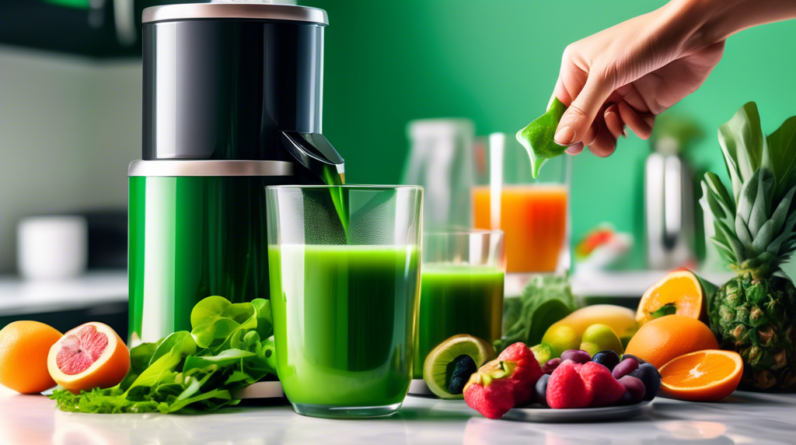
<point>744,418</point>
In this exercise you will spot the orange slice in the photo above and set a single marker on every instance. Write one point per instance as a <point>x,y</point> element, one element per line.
<point>89,356</point>
<point>680,292</point>
<point>702,376</point>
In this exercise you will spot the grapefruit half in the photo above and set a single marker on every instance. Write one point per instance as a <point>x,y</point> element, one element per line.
<point>89,356</point>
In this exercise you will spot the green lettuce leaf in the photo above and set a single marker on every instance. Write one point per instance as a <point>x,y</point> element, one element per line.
<point>537,137</point>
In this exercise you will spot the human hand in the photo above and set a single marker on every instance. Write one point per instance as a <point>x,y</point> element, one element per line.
<point>627,74</point>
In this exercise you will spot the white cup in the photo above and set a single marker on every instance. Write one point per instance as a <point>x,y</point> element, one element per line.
<point>52,247</point>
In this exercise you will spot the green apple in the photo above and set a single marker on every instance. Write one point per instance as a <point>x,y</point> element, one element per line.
<point>603,338</point>
<point>561,338</point>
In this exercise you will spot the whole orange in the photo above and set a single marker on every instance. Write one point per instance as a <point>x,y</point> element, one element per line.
<point>24,346</point>
<point>665,338</point>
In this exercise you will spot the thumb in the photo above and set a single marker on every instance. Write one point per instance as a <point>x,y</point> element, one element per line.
<point>582,111</point>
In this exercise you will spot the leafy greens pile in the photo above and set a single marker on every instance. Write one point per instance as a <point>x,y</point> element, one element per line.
<point>229,347</point>
<point>545,300</point>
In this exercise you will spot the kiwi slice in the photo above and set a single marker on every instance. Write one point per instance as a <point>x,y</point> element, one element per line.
<point>440,362</point>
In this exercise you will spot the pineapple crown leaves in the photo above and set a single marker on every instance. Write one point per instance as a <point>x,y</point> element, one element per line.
<point>754,226</point>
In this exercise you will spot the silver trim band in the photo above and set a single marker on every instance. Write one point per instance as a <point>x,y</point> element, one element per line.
<point>189,11</point>
<point>210,168</point>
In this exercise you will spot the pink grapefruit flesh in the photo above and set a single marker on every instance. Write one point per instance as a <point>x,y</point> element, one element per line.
<point>80,350</point>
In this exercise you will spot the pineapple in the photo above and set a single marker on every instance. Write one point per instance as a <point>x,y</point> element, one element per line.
<point>755,312</point>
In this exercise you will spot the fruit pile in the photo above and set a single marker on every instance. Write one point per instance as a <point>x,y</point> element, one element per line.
<point>575,380</point>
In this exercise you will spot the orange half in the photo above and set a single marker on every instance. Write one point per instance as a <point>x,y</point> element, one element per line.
<point>702,376</point>
<point>679,292</point>
<point>89,356</point>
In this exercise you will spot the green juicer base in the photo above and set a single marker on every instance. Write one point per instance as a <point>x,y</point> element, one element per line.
<point>192,237</point>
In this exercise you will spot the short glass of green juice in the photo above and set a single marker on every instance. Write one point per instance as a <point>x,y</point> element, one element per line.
<point>461,291</point>
<point>344,268</point>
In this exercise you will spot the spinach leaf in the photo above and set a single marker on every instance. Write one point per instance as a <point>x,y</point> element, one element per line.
<point>537,137</point>
<point>216,320</point>
<point>544,301</point>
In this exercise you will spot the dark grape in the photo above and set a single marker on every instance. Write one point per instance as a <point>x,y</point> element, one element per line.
<point>634,389</point>
<point>576,355</point>
<point>551,365</point>
<point>640,361</point>
<point>624,368</point>
<point>651,378</point>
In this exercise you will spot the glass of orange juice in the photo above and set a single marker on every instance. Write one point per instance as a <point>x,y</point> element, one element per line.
<point>533,213</point>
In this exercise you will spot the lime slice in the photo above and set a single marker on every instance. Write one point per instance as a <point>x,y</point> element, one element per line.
<point>439,364</point>
<point>543,353</point>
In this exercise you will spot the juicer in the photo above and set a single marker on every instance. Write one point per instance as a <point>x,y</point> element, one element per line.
<point>232,103</point>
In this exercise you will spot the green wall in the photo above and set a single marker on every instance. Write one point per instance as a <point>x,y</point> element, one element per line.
<point>496,62</point>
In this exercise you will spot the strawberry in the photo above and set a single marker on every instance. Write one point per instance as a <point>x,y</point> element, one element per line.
<point>503,383</point>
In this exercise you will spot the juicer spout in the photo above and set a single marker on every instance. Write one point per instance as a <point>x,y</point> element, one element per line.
<point>316,154</point>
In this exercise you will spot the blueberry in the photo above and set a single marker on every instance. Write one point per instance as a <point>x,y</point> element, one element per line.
<point>634,389</point>
<point>609,359</point>
<point>624,368</point>
<point>651,378</point>
<point>540,390</point>
<point>576,355</point>
<point>551,365</point>
<point>463,368</point>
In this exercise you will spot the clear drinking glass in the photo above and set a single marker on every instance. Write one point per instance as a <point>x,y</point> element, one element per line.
<point>461,288</point>
<point>533,213</point>
<point>344,276</point>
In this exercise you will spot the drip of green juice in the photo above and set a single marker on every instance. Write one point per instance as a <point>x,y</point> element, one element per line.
<point>332,177</point>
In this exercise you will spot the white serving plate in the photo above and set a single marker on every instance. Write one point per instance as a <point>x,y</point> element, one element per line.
<point>538,413</point>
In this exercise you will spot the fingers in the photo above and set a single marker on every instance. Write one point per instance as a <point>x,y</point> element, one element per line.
<point>581,113</point>
<point>604,144</point>
<point>575,149</point>
<point>640,124</point>
<point>613,122</point>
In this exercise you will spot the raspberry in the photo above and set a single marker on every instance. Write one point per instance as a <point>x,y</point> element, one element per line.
<point>566,388</point>
<point>605,389</point>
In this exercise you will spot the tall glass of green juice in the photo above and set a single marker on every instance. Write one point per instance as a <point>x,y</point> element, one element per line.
<point>461,290</point>
<point>344,294</point>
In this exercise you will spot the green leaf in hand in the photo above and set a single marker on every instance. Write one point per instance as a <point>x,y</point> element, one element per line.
<point>537,137</point>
